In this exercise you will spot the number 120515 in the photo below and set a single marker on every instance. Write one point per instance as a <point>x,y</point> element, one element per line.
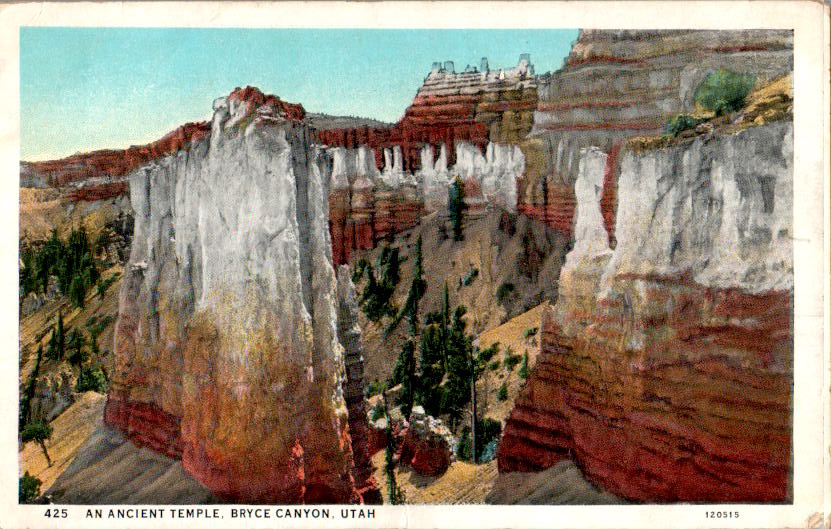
<point>721,514</point>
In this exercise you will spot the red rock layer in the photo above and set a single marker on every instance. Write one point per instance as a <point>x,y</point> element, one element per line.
<point>98,192</point>
<point>119,162</point>
<point>427,456</point>
<point>360,228</point>
<point>115,163</point>
<point>619,84</point>
<point>701,413</point>
<point>145,424</point>
<point>448,108</point>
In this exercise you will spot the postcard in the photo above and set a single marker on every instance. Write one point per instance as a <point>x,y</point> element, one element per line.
<point>416,264</point>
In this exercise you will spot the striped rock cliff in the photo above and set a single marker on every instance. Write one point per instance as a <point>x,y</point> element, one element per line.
<point>476,106</point>
<point>617,84</point>
<point>666,365</point>
<point>227,353</point>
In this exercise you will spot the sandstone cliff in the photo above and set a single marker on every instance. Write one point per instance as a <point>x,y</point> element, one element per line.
<point>665,367</point>
<point>617,84</point>
<point>227,352</point>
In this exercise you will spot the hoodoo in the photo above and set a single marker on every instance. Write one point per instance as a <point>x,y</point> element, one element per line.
<point>226,339</point>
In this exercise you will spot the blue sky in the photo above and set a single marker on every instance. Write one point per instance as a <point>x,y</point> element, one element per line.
<point>91,88</point>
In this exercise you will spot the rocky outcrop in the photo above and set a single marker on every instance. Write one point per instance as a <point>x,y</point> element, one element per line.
<point>666,364</point>
<point>227,352</point>
<point>425,446</point>
<point>475,106</point>
<point>349,334</point>
<point>617,84</point>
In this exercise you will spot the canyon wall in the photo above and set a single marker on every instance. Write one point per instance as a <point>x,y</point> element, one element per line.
<point>617,84</point>
<point>666,365</point>
<point>227,353</point>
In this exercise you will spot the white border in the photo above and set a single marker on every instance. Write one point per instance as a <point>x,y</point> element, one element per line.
<point>811,223</point>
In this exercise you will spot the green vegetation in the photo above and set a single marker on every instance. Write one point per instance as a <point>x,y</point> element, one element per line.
<point>510,360</point>
<point>57,342</point>
<point>529,332</point>
<point>680,123</point>
<point>487,353</point>
<point>102,286</point>
<point>377,412</point>
<point>724,91</point>
<point>524,370</point>
<point>71,262</point>
<point>417,289</point>
<point>456,208</point>
<point>376,299</point>
<point>28,488</point>
<point>39,432</point>
<point>29,391</point>
<point>91,379</point>
<point>502,394</point>
<point>396,495</point>
<point>405,374</point>
<point>493,366</point>
<point>375,387</point>
<point>473,274</point>
<point>504,290</point>
<point>486,431</point>
<point>75,342</point>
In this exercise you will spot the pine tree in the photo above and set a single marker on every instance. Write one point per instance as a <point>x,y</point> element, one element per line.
<point>456,208</point>
<point>417,289</point>
<point>39,432</point>
<point>405,373</point>
<point>60,339</point>
<point>75,342</point>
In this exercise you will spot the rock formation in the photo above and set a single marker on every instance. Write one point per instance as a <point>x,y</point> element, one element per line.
<point>425,446</point>
<point>617,84</point>
<point>666,364</point>
<point>349,334</point>
<point>227,352</point>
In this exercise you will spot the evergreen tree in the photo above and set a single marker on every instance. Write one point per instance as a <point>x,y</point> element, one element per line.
<point>459,353</point>
<point>52,347</point>
<point>39,432</point>
<point>396,496</point>
<point>29,391</point>
<point>431,368</point>
<point>502,394</point>
<point>60,339</point>
<point>456,208</point>
<point>28,488</point>
<point>405,374</point>
<point>75,342</point>
<point>417,289</point>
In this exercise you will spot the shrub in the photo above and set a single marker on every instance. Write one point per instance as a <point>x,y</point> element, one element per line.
<point>487,431</point>
<point>493,366</point>
<point>375,387</point>
<point>504,290</point>
<point>377,412</point>
<point>511,360</point>
<point>524,370</point>
<point>502,394</point>
<point>102,286</point>
<point>680,123</point>
<point>529,332</point>
<point>28,488</point>
<point>474,272</point>
<point>724,91</point>
<point>489,352</point>
<point>91,379</point>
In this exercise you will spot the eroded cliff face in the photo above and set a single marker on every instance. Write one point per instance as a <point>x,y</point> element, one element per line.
<point>665,368</point>
<point>617,84</point>
<point>227,353</point>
